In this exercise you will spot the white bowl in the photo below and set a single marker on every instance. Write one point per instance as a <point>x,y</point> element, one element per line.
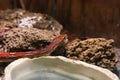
<point>55,68</point>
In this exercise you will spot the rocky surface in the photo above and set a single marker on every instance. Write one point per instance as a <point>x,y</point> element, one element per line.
<point>97,51</point>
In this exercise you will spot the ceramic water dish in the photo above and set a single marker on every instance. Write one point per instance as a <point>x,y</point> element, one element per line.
<point>55,68</point>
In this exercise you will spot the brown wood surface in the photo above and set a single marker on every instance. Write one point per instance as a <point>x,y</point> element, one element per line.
<point>84,18</point>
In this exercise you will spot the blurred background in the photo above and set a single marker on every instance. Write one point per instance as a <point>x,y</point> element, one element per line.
<point>83,18</point>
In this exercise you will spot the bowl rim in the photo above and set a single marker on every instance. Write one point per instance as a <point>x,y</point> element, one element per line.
<point>104,71</point>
